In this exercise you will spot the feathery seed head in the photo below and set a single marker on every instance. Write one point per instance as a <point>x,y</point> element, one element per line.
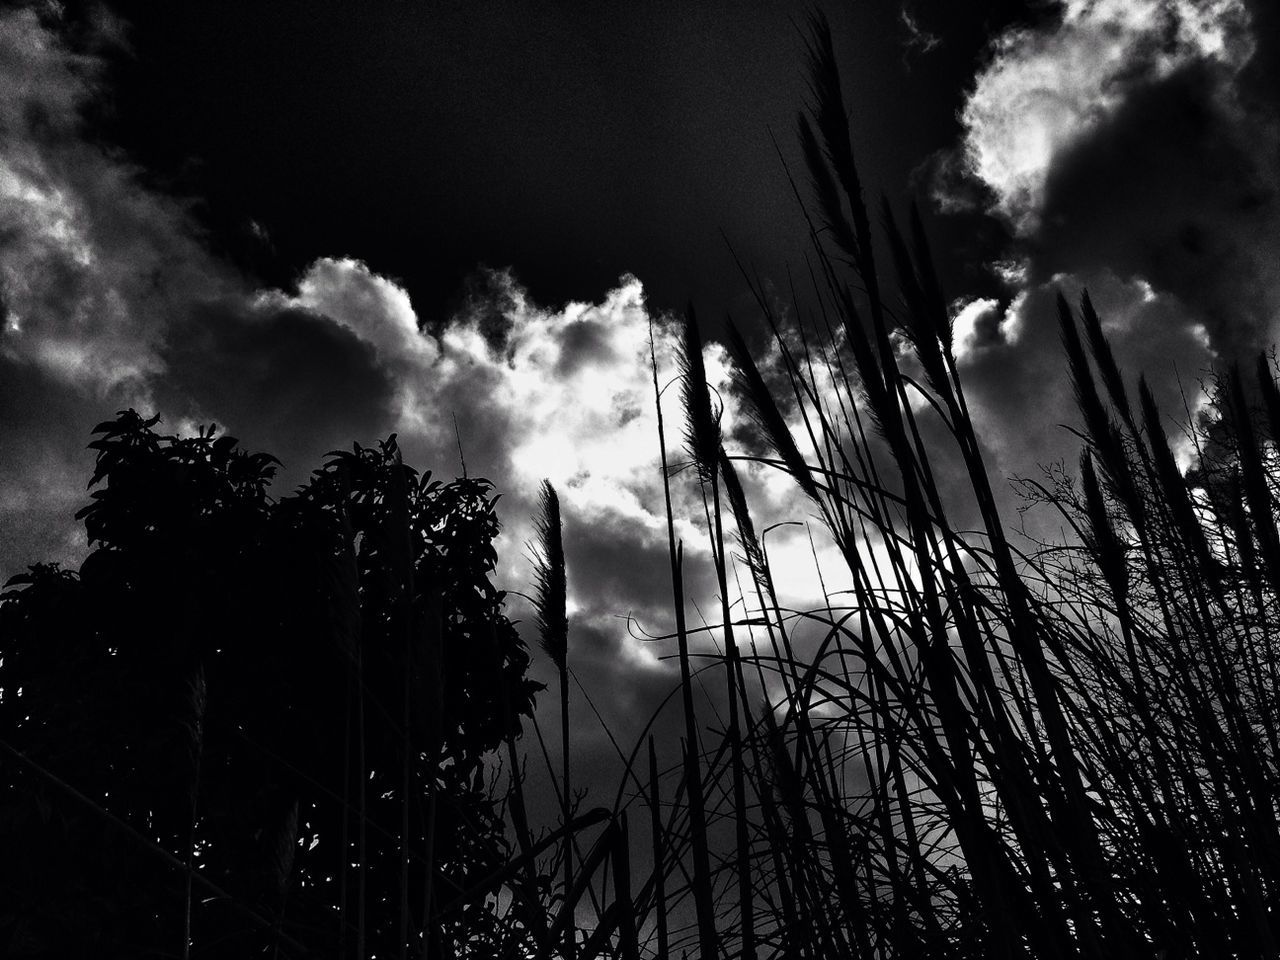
<point>550,582</point>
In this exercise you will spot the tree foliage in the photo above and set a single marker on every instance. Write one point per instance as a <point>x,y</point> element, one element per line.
<point>253,683</point>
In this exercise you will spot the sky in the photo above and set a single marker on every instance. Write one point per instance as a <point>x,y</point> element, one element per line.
<point>325,222</point>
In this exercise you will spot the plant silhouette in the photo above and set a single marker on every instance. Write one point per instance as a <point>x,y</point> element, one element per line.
<point>295,696</point>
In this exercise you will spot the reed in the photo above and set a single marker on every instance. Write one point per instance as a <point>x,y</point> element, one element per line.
<point>553,635</point>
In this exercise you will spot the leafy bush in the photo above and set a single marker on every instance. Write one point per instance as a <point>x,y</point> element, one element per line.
<point>294,698</point>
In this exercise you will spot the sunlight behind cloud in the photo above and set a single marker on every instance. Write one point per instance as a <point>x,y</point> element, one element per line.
<point>1043,91</point>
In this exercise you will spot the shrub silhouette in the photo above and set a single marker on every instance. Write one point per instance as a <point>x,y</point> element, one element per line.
<point>295,694</point>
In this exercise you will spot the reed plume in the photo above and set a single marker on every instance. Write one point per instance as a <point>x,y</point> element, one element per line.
<point>550,601</point>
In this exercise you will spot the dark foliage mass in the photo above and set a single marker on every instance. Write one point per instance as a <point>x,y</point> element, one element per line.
<point>292,698</point>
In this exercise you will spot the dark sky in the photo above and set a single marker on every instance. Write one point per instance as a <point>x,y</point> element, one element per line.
<point>572,142</point>
<point>249,214</point>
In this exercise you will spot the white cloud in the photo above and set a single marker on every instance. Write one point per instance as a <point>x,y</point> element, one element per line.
<point>1045,90</point>
<point>971,326</point>
<point>1017,382</point>
<point>92,263</point>
<point>374,308</point>
<point>1080,130</point>
<point>565,395</point>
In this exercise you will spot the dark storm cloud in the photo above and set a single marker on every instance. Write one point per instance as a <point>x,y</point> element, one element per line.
<point>1181,186</point>
<point>43,428</point>
<point>1014,373</point>
<point>1130,148</point>
<point>1138,139</point>
<point>619,576</point>
<point>584,342</point>
<point>293,382</point>
<point>90,267</point>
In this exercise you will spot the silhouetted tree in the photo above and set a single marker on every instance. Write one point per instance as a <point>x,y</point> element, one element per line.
<point>295,696</point>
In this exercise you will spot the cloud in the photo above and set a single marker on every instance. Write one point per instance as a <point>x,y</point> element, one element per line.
<point>1181,188</point>
<point>1017,386</point>
<point>111,299</point>
<point>1047,89</point>
<point>979,323</point>
<point>91,267</point>
<point>91,264</point>
<point>42,476</point>
<point>284,379</point>
<point>527,392</point>
<point>1133,137</point>
<point>1129,148</point>
<point>917,39</point>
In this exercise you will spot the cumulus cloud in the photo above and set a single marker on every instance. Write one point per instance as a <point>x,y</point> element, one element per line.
<point>1015,375</point>
<point>1181,188</point>
<point>111,299</point>
<point>1128,137</point>
<point>1047,89</point>
<point>1129,150</point>
<point>90,268</point>
<point>527,392</point>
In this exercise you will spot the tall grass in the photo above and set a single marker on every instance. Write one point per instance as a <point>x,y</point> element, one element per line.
<point>553,630</point>
<point>992,747</point>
